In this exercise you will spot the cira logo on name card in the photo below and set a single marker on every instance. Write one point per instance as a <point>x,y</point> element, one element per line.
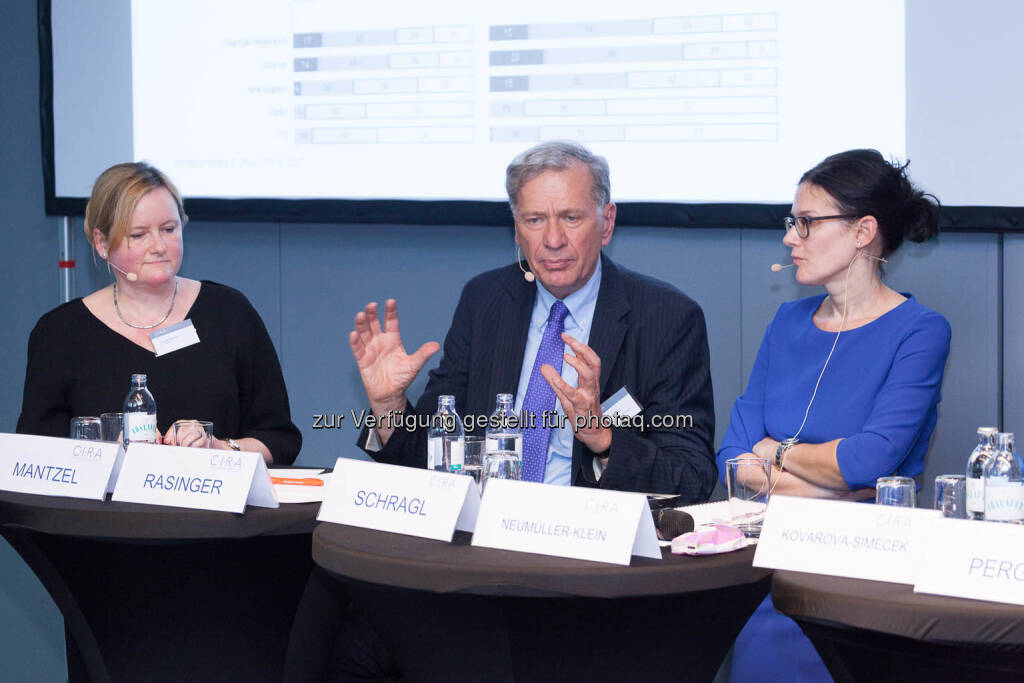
<point>226,461</point>
<point>87,452</point>
<point>442,482</point>
<point>898,520</point>
<point>602,506</point>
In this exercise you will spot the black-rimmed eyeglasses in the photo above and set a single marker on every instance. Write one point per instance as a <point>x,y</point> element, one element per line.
<point>803,223</point>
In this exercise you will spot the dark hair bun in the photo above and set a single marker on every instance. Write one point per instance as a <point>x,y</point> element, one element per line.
<point>863,183</point>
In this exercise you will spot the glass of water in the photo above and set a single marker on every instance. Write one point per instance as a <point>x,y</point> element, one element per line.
<point>112,425</point>
<point>472,458</point>
<point>898,491</point>
<point>502,465</point>
<point>88,428</point>
<point>951,495</point>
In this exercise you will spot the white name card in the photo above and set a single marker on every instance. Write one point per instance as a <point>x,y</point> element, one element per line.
<point>968,559</point>
<point>49,466</point>
<point>200,478</point>
<point>582,523</point>
<point>403,500</point>
<point>854,540</point>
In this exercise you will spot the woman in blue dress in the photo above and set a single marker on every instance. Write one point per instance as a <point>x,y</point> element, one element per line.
<point>846,384</point>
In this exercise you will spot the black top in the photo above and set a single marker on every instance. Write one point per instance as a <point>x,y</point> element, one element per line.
<point>79,366</point>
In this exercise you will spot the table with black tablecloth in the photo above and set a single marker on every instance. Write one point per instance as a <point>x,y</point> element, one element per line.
<point>152,593</point>
<point>875,631</point>
<point>452,611</point>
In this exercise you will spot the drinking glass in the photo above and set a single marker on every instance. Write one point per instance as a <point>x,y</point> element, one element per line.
<point>472,457</point>
<point>898,491</point>
<point>951,495</point>
<point>88,428</point>
<point>747,479</point>
<point>112,426</point>
<point>193,433</point>
<point>501,465</point>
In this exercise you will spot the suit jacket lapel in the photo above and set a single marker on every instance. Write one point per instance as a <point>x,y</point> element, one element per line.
<point>609,326</point>
<point>513,324</point>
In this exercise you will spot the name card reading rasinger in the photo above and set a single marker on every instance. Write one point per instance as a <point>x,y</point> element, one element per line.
<point>50,466</point>
<point>581,523</point>
<point>199,478</point>
<point>853,540</point>
<point>402,500</point>
<point>969,559</point>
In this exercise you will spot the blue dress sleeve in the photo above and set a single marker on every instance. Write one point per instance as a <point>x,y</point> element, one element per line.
<point>746,424</point>
<point>902,408</point>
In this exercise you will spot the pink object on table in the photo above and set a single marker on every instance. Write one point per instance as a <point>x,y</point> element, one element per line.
<point>709,539</point>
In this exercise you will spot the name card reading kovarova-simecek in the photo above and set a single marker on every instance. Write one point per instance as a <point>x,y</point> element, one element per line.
<point>403,500</point>
<point>853,540</point>
<point>582,523</point>
<point>49,466</point>
<point>969,559</point>
<point>200,478</point>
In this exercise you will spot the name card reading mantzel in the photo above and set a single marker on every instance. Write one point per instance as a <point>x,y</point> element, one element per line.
<point>50,466</point>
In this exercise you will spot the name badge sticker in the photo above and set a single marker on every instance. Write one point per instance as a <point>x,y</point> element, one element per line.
<point>402,500</point>
<point>852,540</point>
<point>198,478</point>
<point>582,523</point>
<point>621,403</point>
<point>51,466</point>
<point>174,337</point>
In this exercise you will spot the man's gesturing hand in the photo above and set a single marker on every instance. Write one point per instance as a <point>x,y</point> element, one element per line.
<point>585,398</point>
<point>384,366</point>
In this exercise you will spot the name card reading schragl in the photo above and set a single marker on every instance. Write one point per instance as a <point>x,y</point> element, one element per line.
<point>853,540</point>
<point>403,500</point>
<point>582,523</point>
<point>200,478</point>
<point>50,466</point>
<point>971,559</point>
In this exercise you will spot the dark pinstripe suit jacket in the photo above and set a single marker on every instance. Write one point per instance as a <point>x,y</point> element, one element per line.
<point>651,339</point>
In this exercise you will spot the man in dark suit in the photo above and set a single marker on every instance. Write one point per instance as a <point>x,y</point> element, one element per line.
<point>622,330</point>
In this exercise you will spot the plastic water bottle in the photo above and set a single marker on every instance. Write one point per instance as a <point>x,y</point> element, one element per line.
<point>976,471</point>
<point>444,426</point>
<point>1004,483</point>
<point>504,433</point>
<point>139,413</point>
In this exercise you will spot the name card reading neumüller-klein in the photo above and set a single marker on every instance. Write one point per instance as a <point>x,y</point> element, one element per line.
<point>200,478</point>
<point>49,466</point>
<point>853,540</point>
<point>968,559</point>
<point>403,500</point>
<point>582,523</point>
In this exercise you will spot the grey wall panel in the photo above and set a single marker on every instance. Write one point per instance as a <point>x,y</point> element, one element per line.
<point>958,276</point>
<point>31,628</point>
<point>248,260</point>
<point>1013,333</point>
<point>705,264</point>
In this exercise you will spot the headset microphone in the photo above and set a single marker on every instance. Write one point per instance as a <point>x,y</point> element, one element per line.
<point>776,267</point>
<point>130,277</point>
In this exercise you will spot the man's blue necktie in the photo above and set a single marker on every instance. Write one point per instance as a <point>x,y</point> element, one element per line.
<point>540,397</point>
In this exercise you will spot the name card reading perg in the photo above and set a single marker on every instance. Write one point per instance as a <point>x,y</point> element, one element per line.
<point>853,540</point>
<point>969,559</point>
<point>49,466</point>
<point>200,478</point>
<point>582,523</point>
<point>403,500</point>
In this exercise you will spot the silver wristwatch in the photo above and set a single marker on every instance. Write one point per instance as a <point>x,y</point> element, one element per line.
<point>781,449</point>
<point>233,445</point>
